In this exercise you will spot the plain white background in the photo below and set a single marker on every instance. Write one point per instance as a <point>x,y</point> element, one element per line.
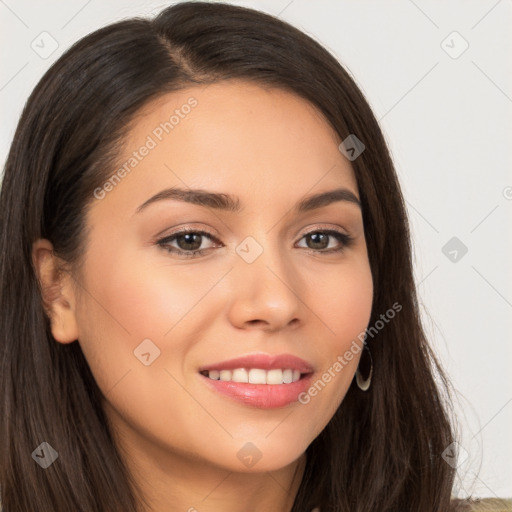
<point>438,76</point>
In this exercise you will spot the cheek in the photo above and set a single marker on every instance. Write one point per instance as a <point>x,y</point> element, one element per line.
<point>347,304</point>
<point>120,306</point>
<point>143,298</point>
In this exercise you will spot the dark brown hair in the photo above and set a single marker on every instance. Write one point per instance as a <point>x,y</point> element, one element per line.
<point>382,450</point>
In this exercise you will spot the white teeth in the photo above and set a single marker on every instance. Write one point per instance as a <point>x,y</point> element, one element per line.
<point>240,375</point>
<point>287,376</point>
<point>225,375</point>
<point>256,375</point>
<point>275,377</point>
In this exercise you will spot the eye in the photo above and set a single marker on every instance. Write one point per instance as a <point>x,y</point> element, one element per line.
<point>189,242</point>
<point>320,240</point>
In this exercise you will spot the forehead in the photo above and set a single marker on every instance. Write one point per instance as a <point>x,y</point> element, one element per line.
<point>232,136</point>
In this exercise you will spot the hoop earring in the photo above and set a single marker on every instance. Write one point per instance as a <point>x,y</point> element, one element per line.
<point>364,383</point>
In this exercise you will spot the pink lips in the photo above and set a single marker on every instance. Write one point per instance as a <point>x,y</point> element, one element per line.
<point>263,396</point>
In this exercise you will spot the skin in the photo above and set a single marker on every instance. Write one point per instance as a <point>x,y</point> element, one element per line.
<point>178,437</point>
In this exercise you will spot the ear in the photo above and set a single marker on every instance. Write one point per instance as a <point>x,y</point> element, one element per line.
<point>57,291</point>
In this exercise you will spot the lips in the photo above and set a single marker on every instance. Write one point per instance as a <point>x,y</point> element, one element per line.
<point>262,393</point>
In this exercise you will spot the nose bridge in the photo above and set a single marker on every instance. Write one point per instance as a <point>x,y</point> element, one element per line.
<point>264,259</point>
<point>264,282</point>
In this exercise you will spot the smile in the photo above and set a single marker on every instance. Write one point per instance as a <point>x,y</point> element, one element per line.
<point>255,375</point>
<point>259,380</point>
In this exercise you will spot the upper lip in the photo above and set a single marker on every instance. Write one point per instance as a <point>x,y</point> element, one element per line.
<point>262,361</point>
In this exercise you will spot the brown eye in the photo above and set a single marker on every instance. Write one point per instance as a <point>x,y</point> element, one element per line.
<point>188,242</point>
<point>319,240</point>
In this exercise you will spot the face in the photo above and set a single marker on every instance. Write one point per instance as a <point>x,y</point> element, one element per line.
<point>161,314</point>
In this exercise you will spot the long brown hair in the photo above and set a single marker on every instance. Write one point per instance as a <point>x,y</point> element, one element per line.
<point>382,450</point>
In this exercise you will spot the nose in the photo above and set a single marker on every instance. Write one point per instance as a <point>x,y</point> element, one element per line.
<point>266,294</point>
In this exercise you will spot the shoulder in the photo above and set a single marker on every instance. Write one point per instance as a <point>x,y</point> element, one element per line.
<point>482,505</point>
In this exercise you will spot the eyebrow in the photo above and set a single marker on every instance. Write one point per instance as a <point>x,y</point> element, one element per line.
<point>232,204</point>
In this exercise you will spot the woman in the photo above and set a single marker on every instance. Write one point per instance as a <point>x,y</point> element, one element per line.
<point>207,292</point>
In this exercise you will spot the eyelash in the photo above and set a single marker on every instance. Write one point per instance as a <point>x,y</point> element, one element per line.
<point>346,241</point>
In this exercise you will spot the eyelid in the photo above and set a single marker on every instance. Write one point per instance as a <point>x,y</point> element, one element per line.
<point>323,227</point>
<point>190,229</point>
<point>181,230</point>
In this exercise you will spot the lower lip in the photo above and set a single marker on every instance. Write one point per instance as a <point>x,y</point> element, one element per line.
<point>263,396</point>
